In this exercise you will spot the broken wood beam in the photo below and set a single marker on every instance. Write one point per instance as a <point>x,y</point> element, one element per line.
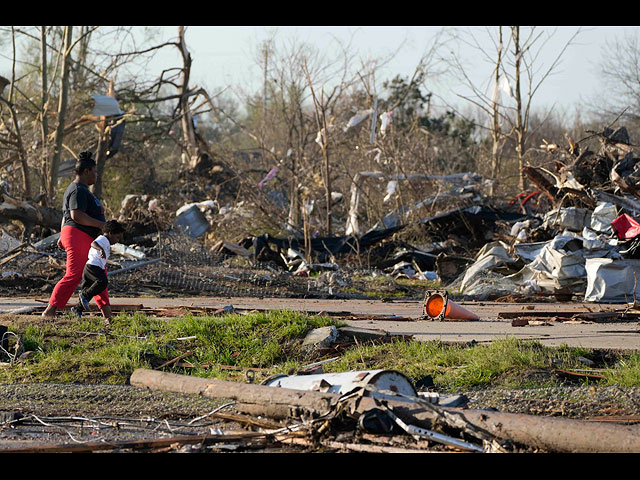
<point>617,315</point>
<point>550,434</point>
<point>134,444</point>
<point>540,181</point>
<point>174,360</point>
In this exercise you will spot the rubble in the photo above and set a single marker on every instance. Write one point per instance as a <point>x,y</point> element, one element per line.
<point>588,248</point>
<point>567,238</point>
<point>317,407</point>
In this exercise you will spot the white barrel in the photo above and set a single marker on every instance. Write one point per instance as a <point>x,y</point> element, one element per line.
<point>385,383</point>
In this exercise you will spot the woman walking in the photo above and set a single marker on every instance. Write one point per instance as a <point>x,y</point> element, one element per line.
<point>82,221</point>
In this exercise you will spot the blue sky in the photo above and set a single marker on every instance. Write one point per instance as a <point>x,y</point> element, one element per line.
<point>225,56</point>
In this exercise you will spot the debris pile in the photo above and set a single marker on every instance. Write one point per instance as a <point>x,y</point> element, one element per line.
<point>369,406</point>
<point>585,244</point>
<point>576,236</point>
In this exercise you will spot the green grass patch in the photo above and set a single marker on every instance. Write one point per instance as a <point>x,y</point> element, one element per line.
<point>85,351</point>
<point>508,363</point>
<point>227,346</point>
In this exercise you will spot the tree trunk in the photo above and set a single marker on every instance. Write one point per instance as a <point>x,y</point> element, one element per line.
<point>520,129</point>
<point>29,214</point>
<point>327,173</point>
<point>22,155</point>
<point>191,146</point>
<point>101,150</point>
<point>62,111</point>
<point>495,132</point>
<point>44,124</point>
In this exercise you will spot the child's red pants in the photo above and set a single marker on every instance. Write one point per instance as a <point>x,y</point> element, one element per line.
<point>77,244</point>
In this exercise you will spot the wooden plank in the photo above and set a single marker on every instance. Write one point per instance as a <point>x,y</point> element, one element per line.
<point>133,444</point>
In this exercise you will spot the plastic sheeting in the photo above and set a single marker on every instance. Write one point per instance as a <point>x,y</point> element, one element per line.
<point>358,118</point>
<point>105,106</point>
<point>491,257</point>
<point>574,219</point>
<point>612,281</point>
<point>386,118</point>
<point>270,176</point>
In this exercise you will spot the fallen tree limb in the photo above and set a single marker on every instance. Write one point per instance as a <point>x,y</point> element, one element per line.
<point>134,444</point>
<point>281,403</point>
<point>548,434</point>
<point>30,213</point>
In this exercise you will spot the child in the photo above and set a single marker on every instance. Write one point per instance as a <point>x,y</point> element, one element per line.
<point>95,274</point>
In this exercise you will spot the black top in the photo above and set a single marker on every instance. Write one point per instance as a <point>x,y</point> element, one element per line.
<point>77,196</point>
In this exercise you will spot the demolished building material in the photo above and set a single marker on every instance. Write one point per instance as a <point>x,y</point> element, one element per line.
<point>610,280</point>
<point>384,383</point>
<point>193,222</point>
<point>546,433</point>
<point>322,247</point>
<point>467,179</point>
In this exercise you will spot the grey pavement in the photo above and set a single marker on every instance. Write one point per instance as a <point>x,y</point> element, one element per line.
<point>403,318</point>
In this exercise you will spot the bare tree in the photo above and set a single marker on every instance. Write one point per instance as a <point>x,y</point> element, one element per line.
<point>62,108</point>
<point>14,140</point>
<point>619,68</point>
<point>517,69</point>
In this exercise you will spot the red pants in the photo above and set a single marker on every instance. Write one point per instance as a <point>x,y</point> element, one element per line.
<point>77,244</point>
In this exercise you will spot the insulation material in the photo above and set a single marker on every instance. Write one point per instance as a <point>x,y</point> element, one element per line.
<point>358,118</point>
<point>105,106</point>
<point>386,118</point>
<point>611,280</point>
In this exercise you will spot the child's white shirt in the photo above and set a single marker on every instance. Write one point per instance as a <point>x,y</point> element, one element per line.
<point>95,255</point>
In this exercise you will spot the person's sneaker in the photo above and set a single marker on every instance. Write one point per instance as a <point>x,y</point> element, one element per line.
<point>84,301</point>
<point>76,311</point>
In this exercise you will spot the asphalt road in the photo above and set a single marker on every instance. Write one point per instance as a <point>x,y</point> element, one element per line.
<point>402,317</point>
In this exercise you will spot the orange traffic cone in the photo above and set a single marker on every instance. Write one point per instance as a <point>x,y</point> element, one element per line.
<point>437,306</point>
